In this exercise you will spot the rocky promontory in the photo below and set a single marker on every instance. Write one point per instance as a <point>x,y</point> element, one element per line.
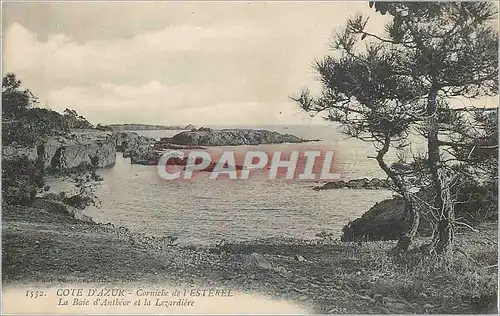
<point>232,137</point>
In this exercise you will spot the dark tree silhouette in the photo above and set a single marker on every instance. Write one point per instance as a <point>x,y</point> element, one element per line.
<point>14,100</point>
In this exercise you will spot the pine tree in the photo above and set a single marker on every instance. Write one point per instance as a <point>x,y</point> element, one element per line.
<point>381,87</point>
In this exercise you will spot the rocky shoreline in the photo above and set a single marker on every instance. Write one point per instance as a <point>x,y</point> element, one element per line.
<point>97,149</point>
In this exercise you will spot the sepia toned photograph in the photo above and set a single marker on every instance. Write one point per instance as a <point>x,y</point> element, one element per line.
<point>249,157</point>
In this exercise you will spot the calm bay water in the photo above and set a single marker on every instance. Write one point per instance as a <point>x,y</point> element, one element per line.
<point>204,211</point>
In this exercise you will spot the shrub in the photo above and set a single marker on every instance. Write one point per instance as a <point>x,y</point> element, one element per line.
<point>79,201</point>
<point>21,179</point>
<point>478,203</point>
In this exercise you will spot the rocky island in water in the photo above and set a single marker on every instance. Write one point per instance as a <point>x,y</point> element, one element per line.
<point>232,137</point>
<point>147,151</point>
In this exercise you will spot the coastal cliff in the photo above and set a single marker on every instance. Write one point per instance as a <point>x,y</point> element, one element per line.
<point>97,149</point>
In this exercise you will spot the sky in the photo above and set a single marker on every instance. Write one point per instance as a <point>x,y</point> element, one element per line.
<point>173,63</point>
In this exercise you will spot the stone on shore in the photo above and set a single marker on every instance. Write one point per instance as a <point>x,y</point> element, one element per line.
<point>299,258</point>
<point>257,261</point>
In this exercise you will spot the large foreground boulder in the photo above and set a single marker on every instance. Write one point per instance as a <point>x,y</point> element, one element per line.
<point>386,220</point>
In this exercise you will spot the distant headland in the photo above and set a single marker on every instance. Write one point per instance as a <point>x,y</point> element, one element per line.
<point>136,127</point>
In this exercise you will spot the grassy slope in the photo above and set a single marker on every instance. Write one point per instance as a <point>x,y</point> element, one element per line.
<point>48,246</point>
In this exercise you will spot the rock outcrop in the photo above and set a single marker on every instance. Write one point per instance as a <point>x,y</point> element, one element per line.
<point>147,151</point>
<point>132,144</point>
<point>386,220</point>
<point>165,143</point>
<point>256,261</point>
<point>373,184</point>
<point>232,137</point>
<point>146,158</point>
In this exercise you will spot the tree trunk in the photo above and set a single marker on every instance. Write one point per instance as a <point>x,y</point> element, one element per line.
<point>442,204</point>
<point>406,240</point>
<point>433,147</point>
<point>443,241</point>
<point>413,217</point>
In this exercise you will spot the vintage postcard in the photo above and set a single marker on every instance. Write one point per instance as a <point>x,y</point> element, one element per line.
<point>219,157</point>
